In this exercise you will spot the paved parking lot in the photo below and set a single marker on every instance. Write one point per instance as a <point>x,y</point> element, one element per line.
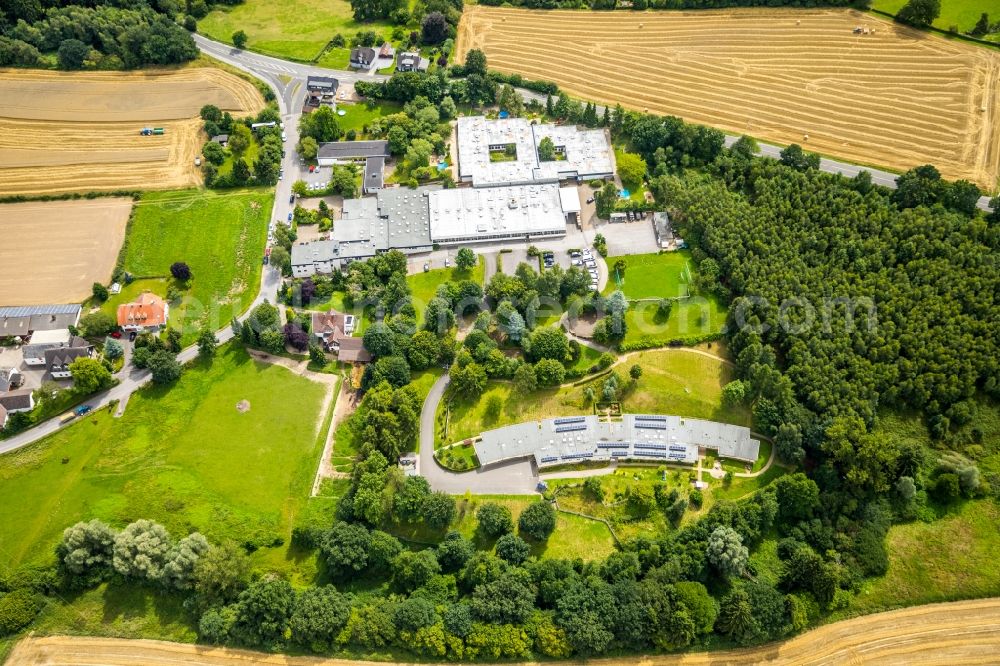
<point>11,357</point>
<point>630,237</point>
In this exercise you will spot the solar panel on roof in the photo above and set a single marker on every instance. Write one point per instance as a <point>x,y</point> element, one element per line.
<point>548,459</point>
<point>649,417</point>
<point>571,428</point>
<point>647,445</point>
<point>679,448</point>
<point>651,426</point>
<point>613,445</point>
<point>570,419</point>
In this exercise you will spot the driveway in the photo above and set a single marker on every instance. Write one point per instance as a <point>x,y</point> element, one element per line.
<point>517,477</point>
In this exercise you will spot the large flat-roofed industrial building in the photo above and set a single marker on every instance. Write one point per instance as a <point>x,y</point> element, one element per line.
<point>583,154</point>
<point>393,219</point>
<point>496,213</point>
<point>645,437</point>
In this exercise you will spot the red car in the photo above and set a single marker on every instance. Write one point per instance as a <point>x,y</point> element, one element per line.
<point>116,334</point>
<point>311,168</point>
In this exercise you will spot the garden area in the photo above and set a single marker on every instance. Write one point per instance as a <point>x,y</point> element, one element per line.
<point>424,285</point>
<point>219,235</point>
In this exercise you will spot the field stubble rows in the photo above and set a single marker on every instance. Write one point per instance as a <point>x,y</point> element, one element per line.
<point>897,97</point>
<point>80,132</point>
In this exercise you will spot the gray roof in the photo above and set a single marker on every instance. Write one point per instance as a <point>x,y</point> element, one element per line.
<point>66,355</point>
<point>346,150</point>
<point>19,320</point>
<point>411,60</point>
<point>374,174</point>
<point>408,217</point>
<point>651,437</point>
<point>20,399</point>
<point>7,377</point>
<point>353,350</point>
<point>220,138</point>
<point>322,84</point>
<point>365,52</point>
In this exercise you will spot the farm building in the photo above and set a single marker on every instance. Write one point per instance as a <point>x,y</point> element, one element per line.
<point>42,341</point>
<point>23,320</point>
<point>57,361</point>
<point>10,378</point>
<point>505,152</point>
<point>13,402</point>
<point>408,61</point>
<point>647,437</point>
<point>149,312</point>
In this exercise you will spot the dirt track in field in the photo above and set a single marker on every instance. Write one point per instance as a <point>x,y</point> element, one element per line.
<point>80,132</point>
<point>965,632</point>
<point>896,98</point>
<point>53,251</point>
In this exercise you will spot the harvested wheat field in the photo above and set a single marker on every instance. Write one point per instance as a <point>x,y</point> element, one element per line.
<point>964,632</point>
<point>53,251</point>
<point>896,97</point>
<point>64,132</point>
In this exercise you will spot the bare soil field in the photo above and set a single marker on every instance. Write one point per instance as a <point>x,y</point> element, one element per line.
<point>964,632</point>
<point>64,132</point>
<point>896,97</point>
<point>52,251</point>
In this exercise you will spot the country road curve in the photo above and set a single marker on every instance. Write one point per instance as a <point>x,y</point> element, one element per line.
<point>960,633</point>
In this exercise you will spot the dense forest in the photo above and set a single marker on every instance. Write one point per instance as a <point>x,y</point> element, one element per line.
<point>99,34</point>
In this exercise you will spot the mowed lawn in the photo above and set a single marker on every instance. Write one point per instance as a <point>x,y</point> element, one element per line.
<point>650,277</point>
<point>961,13</point>
<point>182,455</point>
<point>952,558</point>
<point>294,29</point>
<point>673,382</point>
<point>219,235</point>
<point>424,286</point>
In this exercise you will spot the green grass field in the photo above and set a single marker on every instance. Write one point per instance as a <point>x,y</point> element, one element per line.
<point>220,235</point>
<point>952,558</point>
<point>650,277</point>
<point>295,29</point>
<point>357,116</point>
<point>181,455</point>
<point>961,13</point>
<point>423,286</point>
<point>673,382</point>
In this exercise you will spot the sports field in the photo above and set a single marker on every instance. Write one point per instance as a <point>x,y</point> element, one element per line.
<point>52,251</point>
<point>220,235</point>
<point>294,29</point>
<point>63,132</point>
<point>896,98</point>
<point>181,455</point>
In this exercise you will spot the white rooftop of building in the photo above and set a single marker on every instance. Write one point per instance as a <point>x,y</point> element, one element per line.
<point>650,437</point>
<point>569,198</point>
<point>478,213</point>
<point>55,336</point>
<point>584,153</point>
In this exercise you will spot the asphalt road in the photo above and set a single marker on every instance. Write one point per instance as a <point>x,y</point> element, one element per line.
<point>517,477</point>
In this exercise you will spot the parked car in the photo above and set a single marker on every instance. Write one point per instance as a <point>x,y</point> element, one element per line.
<point>116,334</point>
<point>132,336</point>
<point>427,266</point>
<point>447,263</point>
<point>576,262</point>
<point>590,200</point>
<point>574,254</point>
<point>312,168</point>
<point>289,217</point>
<point>291,199</point>
<point>284,137</point>
<point>83,409</point>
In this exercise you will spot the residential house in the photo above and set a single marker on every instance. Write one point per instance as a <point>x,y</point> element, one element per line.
<point>330,328</point>
<point>386,51</point>
<point>23,320</point>
<point>42,341</point>
<point>363,57</point>
<point>321,89</point>
<point>408,61</point>
<point>149,312</point>
<point>15,401</point>
<point>10,378</point>
<point>221,139</point>
<point>349,152</point>
<point>352,350</point>
<point>57,361</point>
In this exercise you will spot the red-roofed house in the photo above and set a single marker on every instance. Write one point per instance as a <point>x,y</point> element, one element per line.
<point>149,312</point>
<point>332,327</point>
